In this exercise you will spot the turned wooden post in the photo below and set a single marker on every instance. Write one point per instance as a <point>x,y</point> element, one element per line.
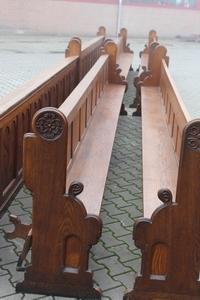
<point>101,31</point>
<point>74,47</point>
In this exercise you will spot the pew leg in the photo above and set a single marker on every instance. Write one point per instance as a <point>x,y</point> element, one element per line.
<point>141,295</point>
<point>137,113</point>
<point>123,112</point>
<point>20,230</point>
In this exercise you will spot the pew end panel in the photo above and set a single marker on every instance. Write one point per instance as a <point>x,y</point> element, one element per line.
<point>64,271</point>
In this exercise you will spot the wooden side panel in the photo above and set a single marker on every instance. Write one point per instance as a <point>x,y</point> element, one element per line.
<point>175,111</point>
<point>59,261</point>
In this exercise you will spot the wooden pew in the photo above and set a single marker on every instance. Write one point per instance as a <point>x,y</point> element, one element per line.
<point>17,109</point>
<point>77,137</point>
<point>168,235</point>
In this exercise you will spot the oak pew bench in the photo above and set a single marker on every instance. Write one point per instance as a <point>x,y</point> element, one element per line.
<point>77,137</point>
<point>168,234</point>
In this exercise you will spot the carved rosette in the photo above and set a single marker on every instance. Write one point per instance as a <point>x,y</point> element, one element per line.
<point>192,134</point>
<point>48,124</point>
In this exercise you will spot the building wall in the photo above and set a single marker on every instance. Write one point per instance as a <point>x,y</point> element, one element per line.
<point>71,17</point>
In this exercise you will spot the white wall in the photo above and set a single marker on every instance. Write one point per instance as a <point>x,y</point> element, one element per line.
<point>58,16</point>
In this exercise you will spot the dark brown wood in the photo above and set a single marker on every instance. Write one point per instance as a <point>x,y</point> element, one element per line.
<point>169,239</point>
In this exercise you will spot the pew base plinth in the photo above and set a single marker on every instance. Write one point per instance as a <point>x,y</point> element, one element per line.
<point>62,290</point>
<point>147,295</point>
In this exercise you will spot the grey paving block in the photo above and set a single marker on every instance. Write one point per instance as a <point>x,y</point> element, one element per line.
<point>119,202</point>
<point>126,195</point>
<point>17,210</point>
<point>95,265</point>
<point>123,253</point>
<point>134,264</point>
<point>118,229</point>
<point>3,241</point>
<point>6,287</point>
<point>114,266</point>
<point>124,219</point>
<point>7,255</point>
<point>109,240</point>
<point>14,275</point>
<point>104,280</point>
<point>99,251</point>
<point>111,209</point>
<point>127,279</point>
<point>116,293</point>
<point>107,219</point>
<point>26,202</point>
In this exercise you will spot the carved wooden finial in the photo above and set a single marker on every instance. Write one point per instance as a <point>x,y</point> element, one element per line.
<point>74,47</point>
<point>101,31</point>
<point>75,188</point>
<point>123,34</point>
<point>165,195</point>
<point>48,123</point>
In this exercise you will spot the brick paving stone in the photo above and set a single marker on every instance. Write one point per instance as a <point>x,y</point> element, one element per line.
<point>15,275</point>
<point>114,266</point>
<point>95,265</point>
<point>119,202</point>
<point>109,240</point>
<point>124,219</point>
<point>99,251</point>
<point>17,210</point>
<point>134,264</point>
<point>3,241</point>
<point>104,280</point>
<point>116,293</point>
<point>126,195</point>
<point>26,202</point>
<point>7,255</point>
<point>126,279</point>
<point>123,253</point>
<point>133,211</point>
<point>106,218</point>
<point>6,287</point>
<point>117,229</point>
<point>111,209</point>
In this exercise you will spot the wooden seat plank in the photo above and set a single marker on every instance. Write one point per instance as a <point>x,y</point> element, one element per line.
<point>93,156</point>
<point>160,166</point>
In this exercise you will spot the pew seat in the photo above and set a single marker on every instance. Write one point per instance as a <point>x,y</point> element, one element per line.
<point>160,165</point>
<point>96,148</point>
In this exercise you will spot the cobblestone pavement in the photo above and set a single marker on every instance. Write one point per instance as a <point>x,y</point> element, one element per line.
<point>114,260</point>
